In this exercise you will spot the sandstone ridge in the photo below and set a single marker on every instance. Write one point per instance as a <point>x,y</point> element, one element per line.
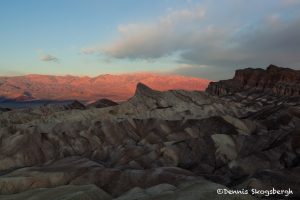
<point>275,80</point>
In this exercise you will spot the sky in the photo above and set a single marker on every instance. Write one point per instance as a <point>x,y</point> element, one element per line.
<point>201,38</point>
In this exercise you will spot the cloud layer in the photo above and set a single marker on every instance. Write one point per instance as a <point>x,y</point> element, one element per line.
<point>152,40</point>
<point>200,36</point>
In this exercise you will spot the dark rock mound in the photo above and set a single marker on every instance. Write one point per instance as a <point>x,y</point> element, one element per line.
<point>4,109</point>
<point>26,96</point>
<point>102,103</point>
<point>75,105</point>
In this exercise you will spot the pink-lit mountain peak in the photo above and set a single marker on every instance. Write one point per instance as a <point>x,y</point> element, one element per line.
<point>116,87</point>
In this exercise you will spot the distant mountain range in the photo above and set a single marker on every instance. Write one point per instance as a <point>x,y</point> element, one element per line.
<point>115,87</point>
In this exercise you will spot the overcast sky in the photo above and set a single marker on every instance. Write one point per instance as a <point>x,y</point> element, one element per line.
<point>208,39</point>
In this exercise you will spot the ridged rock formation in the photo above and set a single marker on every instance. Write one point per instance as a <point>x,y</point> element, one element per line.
<point>175,144</point>
<point>275,80</point>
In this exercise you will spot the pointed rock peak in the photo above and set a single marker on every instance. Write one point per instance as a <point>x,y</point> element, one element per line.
<point>142,89</point>
<point>273,67</point>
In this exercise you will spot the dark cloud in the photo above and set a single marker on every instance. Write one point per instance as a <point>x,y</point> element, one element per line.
<point>49,58</point>
<point>278,44</point>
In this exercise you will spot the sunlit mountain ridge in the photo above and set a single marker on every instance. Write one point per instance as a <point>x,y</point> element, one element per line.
<point>116,87</point>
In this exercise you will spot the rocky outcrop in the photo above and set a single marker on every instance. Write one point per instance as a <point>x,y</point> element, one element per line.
<point>65,192</point>
<point>85,178</point>
<point>275,80</point>
<point>193,190</point>
<point>82,171</point>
